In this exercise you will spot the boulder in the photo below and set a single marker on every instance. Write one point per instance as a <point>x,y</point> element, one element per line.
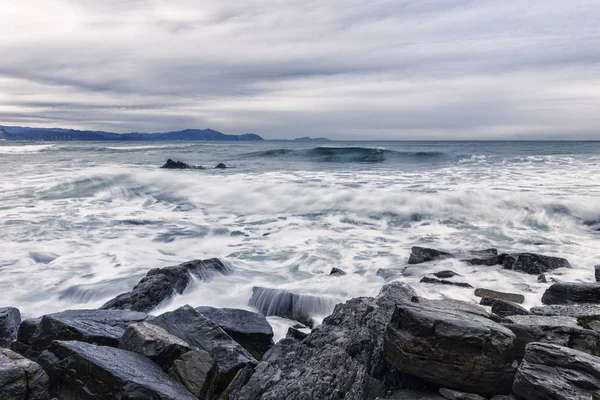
<point>420,255</point>
<point>533,264</point>
<point>451,304</point>
<point>198,372</point>
<point>456,395</point>
<point>445,274</point>
<point>337,272</point>
<point>296,334</point>
<point>549,371</point>
<point>85,371</point>
<point>198,331</point>
<point>487,257</point>
<point>153,342</point>
<point>20,378</point>
<point>572,293</point>
<point>451,348</point>
<point>285,304</point>
<point>584,313</point>
<point>597,273</point>
<point>221,166</point>
<point>492,294</point>
<point>506,308</point>
<point>10,319</point>
<point>445,282</point>
<point>170,164</point>
<point>162,283</point>
<point>249,329</point>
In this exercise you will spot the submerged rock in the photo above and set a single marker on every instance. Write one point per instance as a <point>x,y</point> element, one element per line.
<point>420,255</point>
<point>445,274</point>
<point>571,293</point>
<point>221,166</point>
<point>198,372</point>
<point>336,272</point>
<point>584,313</point>
<point>20,378</point>
<point>487,257</point>
<point>492,294</point>
<point>445,282</point>
<point>10,319</point>
<point>162,283</point>
<point>170,164</point>
<point>533,264</point>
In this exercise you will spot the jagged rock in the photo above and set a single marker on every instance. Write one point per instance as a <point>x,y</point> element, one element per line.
<point>542,278</point>
<point>445,282</point>
<point>562,331</point>
<point>337,272</point>
<point>506,308</point>
<point>296,334</point>
<point>597,273</point>
<point>445,274</point>
<point>411,394</point>
<point>456,395</point>
<point>170,164</point>
<point>584,313</point>
<point>249,329</point>
<point>153,342</point>
<point>393,293</point>
<point>296,306</point>
<point>292,370</point>
<point>85,371</point>
<point>221,166</point>
<point>487,257</point>
<point>197,330</point>
<point>533,264</point>
<point>450,348</point>
<point>549,371</point>
<point>198,372</point>
<point>161,283</point>
<point>492,294</point>
<point>572,293</point>
<point>10,319</point>
<point>420,255</point>
<point>20,378</point>
<point>451,304</point>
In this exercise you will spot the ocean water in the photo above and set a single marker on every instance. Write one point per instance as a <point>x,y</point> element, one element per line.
<point>83,222</point>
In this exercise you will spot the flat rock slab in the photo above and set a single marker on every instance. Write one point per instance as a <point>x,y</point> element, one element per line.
<point>445,282</point>
<point>10,319</point>
<point>533,264</point>
<point>506,308</point>
<point>584,313</point>
<point>451,304</point>
<point>83,371</point>
<point>493,294</point>
<point>153,342</point>
<point>420,255</point>
<point>549,371</point>
<point>20,378</point>
<point>456,395</point>
<point>572,293</point>
<point>487,257</point>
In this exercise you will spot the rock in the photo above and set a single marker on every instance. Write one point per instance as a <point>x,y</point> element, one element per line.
<point>221,166</point>
<point>512,297</point>
<point>584,313</point>
<point>506,308</point>
<point>281,303</point>
<point>10,319</point>
<point>198,372</point>
<point>296,334</point>
<point>198,331</point>
<point>336,271</point>
<point>249,329</point>
<point>393,293</point>
<point>571,293</point>
<point>420,255</point>
<point>388,273</point>
<point>483,257</point>
<point>562,331</point>
<point>549,371</point>
<point>597,273</point>
<point>456,395</point>
<point>542,279</point>
<point>451,348</point>
<point>85,371</point>
<point>292,370</point>
<point>410,394</point>
<point>20,378</point>
<point>170,164</point>
<point>486,301</point>
<point>533,264</point>
<point>153,342</point>
<point>161,283</point>
<point>451,304</point>
<point>445,274</point>
<point>593,325</point>
<point>444,282</point>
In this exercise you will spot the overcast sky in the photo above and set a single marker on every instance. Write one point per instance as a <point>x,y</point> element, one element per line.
<point>345,69</point>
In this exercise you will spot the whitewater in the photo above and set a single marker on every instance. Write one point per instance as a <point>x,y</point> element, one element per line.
<point>81,222</point>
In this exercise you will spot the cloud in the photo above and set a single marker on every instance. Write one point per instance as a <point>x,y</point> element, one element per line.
<point>380,69</point>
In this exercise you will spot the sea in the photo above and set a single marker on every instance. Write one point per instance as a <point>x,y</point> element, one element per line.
<point>81,222</point>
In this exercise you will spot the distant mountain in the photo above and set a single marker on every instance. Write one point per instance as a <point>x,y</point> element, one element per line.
<point>309,139</point>
<point>58,134</point>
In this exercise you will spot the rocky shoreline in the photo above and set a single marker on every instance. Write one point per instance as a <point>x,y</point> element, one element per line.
<point>396,345</point>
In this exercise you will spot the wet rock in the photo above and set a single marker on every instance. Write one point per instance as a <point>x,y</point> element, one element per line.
<point>542,279</point>
<point>492,294</point>
<point>249,329</point>
<point>20,378</point>
<point>393,293</point>
<point>336,271</point>
<point>170,164</point>
<point>483,257</point>
<point>239,233</point>
<point>450,348</point>
<point>85,371</point>
<point>572,293</point>
<point>292,370</point>
<point>10,319</point>
<point>597,273</point>
<point>456,395</point>
<point>533,264</point>
<point>296,334</point>
<point>506,308</point>
<point>295,306</point>
<point>162,283</point>
<point>550,371</point>
<point>584,313</point>
<point>198,372</point>
<point>153,342</point>
<point>43,257</point>
<point>198,331</point>
<point>445,282</point>
<point>420,255</point>
<point>451,304</point>
<point>221,166</point>
<point>445,274</point>
<point>411,394</point>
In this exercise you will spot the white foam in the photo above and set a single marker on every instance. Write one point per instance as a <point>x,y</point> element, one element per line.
<point>25,149</point>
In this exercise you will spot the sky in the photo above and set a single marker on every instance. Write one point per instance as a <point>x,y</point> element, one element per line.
<point>344,69</point>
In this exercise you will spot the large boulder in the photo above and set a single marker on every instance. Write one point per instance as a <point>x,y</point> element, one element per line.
<point>160,284</point>
<point>533,264</point>
<point>450,348</point>
<point>420,255</point>
<point>197,330</point>
<point>20,378</point>
<point>572,293</point>
<point>83,371</point>
<point>549,371</point>
<point>10,319</point>
<point>585,313</point>
<point>198,372</point>
<point>249,329</point>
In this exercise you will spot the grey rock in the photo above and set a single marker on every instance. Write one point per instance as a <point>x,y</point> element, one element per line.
<point>10,319</point>
<point>198,372</point>
<point>411,394</point>
<point>542,278</point>
<point>445,274</point>
<point>162,283</point>
<point>533,264</point>
<point>593,325</point>
<point>296,334</point>
<point>249,329</point>
<point>456,395</point>
<point>420,255</point>
<point>445,282</point>
<point>597,273</point>
<point>83,371</point>
<point>487,257</point>
<point>393,293</point>
<point>506,308</point>
<point>572,293</point>
<point>337,272</point>
<point>550,371</point>
<point>20,378</point>
<point>450,348</point>
<point>153,342</point>
<point>584,313</point>
<point>221,166</point>
<point>451,304</point>
<point>170,164</point>
<point>493,294</point>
